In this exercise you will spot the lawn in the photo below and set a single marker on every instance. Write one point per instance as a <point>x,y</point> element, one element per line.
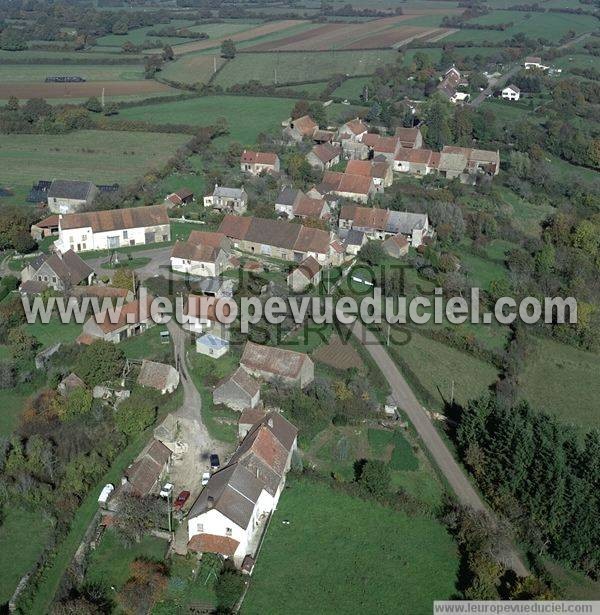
<point>351,88</point>
<point>12,404</point>
<point>246,116</point>
<point>564,381</point>
<point>20,73</point>
<point>100,156</point>
<point>345,552</point>
<point>137,36</point>
<point>192,68</point>
<point>288,67</point>
<point>109,562</point>
<point>526,216</point>
<point>17,556</point>
<point>53,332</point>
<point>148,345</point>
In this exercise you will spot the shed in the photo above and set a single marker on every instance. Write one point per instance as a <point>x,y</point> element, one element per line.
<point>212,345</point>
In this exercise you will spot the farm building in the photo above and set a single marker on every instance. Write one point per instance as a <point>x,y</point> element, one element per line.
<point>354,241</point>
<point>238,391</point>
<point>45,228</point>
<point>143,476</point>
<point>271,363</point>
<point>379,171</point>
<point>295,204</point>
<point>534,62</point>
<point>227,200</point>
<point>232,512</point>
<point>256,163</point>
<point>355,187</point>
<point>308,272</point>
<point>249,418</point>
<point>301,128</point>
<point>70,383</point>
<point>415,161</point>
<point>202,313</point>
<point>66,197</point>
<point>277,238</point>
<point>204,254</point>
<point>183,196</point>
<point>409,137</point>
<point>116,228</point>
<point>353,130</point>
<point>159,376</point>
<point>396,246</point>
<point>324,156</point>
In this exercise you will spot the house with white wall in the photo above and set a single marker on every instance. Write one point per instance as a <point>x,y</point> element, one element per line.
<point>203,254</point>
<point>111,229</point>
<point>511,92</point>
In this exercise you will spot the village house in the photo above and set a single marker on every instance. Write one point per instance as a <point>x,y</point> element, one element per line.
<point>183,196</point>
<point>45,228</point>
<point>380,172</point>
<point>307,273</point>
<point>270,363</point>
<point>451,81</point>
<point>384,147</point>
<point>66,197</point>
<point>534,62</point>
<point>467,163</point>
<point>511,92</point>
<point>201,313</point>
<point>102,292</point>
<point>238,391</point>
<point>354,241</point>
<point>414,161</point>
<point>115,228</point>
<point>396,246</point>
<point>353,130</point>
<point>58,271</point>
<point>144,475</point>
<point>381,223</point>
<point>249,418</point>
<point>356,187</point>
<point>324,156</point>
<point>159,376</point>
<point>301,128</point>
<point>232,511</point>
<point>213,346</point>
<point>256,163</point>
<point>409,137</point>
<point>203,254</point>
<point>324,136</point>
<point>295,204</point>
<point>227,200</point>
<point>131,319</point>
<point>278,238</point>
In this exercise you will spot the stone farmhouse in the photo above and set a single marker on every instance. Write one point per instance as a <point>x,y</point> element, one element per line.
<point>301,128</point>
<point>256,163</point>
<point>116,228</point>
<point>231,514</point>
<point>382,223</point>
<point>409,137</point>
<point>183,196</point>
<point>324,156</point>
<point>294,203</point>
<point>511,92</point>
<point>295,368</point>
<point>203,254</point>
<point>44,228</point>
<point>227,200</point>
<point>58,271</point>
<point>159,376</point>
<point>356,187</point>
<point>66,196</point>
<point>308,272</point>
<point>238,391</point>
<point>279,239</point>
<point>380,172</point>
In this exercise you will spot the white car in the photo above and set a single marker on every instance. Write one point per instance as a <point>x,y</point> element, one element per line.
<point>166,491</point>
<point>205,478</point>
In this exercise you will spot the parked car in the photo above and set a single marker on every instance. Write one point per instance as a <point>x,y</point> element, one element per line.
<point>205,478</point>
<point>181,499</point>
<point>215,464</point>
<point>166,490</point>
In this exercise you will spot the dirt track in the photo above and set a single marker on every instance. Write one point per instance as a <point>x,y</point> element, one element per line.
<point>82,90</point>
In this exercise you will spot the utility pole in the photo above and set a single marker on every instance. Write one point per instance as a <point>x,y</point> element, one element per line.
<point>388,335</point>
<point>169,499</point>
<point>214,64</point>
<point>103,98</point>
<point>452,394</point>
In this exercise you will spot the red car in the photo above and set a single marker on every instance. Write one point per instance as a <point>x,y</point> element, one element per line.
<point>182,498</point>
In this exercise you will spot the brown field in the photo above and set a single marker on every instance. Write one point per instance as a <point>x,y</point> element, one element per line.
<point>376,34</point>
<point>262,30</point>
<point>338,355</point>
<point>83,90</point>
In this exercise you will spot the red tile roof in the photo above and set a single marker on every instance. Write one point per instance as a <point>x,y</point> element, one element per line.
<point>275,361</point>
<point>387,145</point>
<point>116,219</point>
<point>250,157</point>
<point>352,184</point>
<point>356,126</point>
<point>305,125</point>
<point>365,217</point>
<point>211,543</point>
<point>408,136</point>
<point>419,156</point>
<point>325,152</point>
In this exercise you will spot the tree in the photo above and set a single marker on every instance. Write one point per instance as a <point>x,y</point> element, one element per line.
<point>100,362</point>
<point>12,104</point>
<point>135,414</point>
<point>229,588</point>
<point>111,108</point>
<point>372,253</point>
<point>124,277</point>
<point>375,477</point>
<point>136,516</point>
<point>168,54</point>
<point>146,585</point>
<point>301,108</point>
<point>22,344</point>
<point>93,104</point>
<point>438,131</point>
<point>12,39</point>
<point>77,403</point>
<point>120,27</point>
<point>228,49</point>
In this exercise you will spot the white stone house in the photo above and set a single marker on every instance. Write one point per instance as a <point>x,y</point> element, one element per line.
<point>228,200</point>
<point>256,163</point>
<point>308,272</point>
<point>116,228</point>
<point>203,254</point>
<point>511,92</point>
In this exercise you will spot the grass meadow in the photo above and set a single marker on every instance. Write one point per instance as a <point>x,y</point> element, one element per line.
<point>339,557</point>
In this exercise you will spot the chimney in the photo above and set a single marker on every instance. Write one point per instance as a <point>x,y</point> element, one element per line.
<point>270,422</point>
<point>210,501</point>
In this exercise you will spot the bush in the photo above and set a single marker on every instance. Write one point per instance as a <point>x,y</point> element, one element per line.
<point>229,588</point>
<point>135,414</point>
<point>10,282</point>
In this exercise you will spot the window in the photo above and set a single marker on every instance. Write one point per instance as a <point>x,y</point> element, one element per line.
<point>132,242</point>
<point>228,531</point>
<point>124,234</point>
<point>54,279</point>
<point>83,246</point>
<point>84,238</point>
<point>200,527</point>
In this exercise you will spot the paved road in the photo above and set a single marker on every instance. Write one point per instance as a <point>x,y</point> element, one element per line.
<point>406,399</point>
<point>159,258</point>
<point>498,83</point>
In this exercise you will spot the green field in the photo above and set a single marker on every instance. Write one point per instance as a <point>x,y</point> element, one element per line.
<point>192,68</point>
<point>29,73</point>
<point>351,88</point>
<point>137,36</point>
<point>550,26</point>
<point>98,156</point>
<point>340,556</point>
<point>246,116</point>
<point>287,67</point>
<point>564,381</point>
<point>53,332</point>
<point>17,556</point>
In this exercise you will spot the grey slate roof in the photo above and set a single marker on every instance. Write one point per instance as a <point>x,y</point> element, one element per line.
<point>229,193</point>
<point>68,189</point>
<point>287,196</point>
<point>405,222</point>
<point>354,238</point>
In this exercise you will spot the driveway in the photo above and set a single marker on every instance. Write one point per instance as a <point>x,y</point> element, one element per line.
<point>159,259</point>
<point>498,83</point>
<point>432,440</point>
